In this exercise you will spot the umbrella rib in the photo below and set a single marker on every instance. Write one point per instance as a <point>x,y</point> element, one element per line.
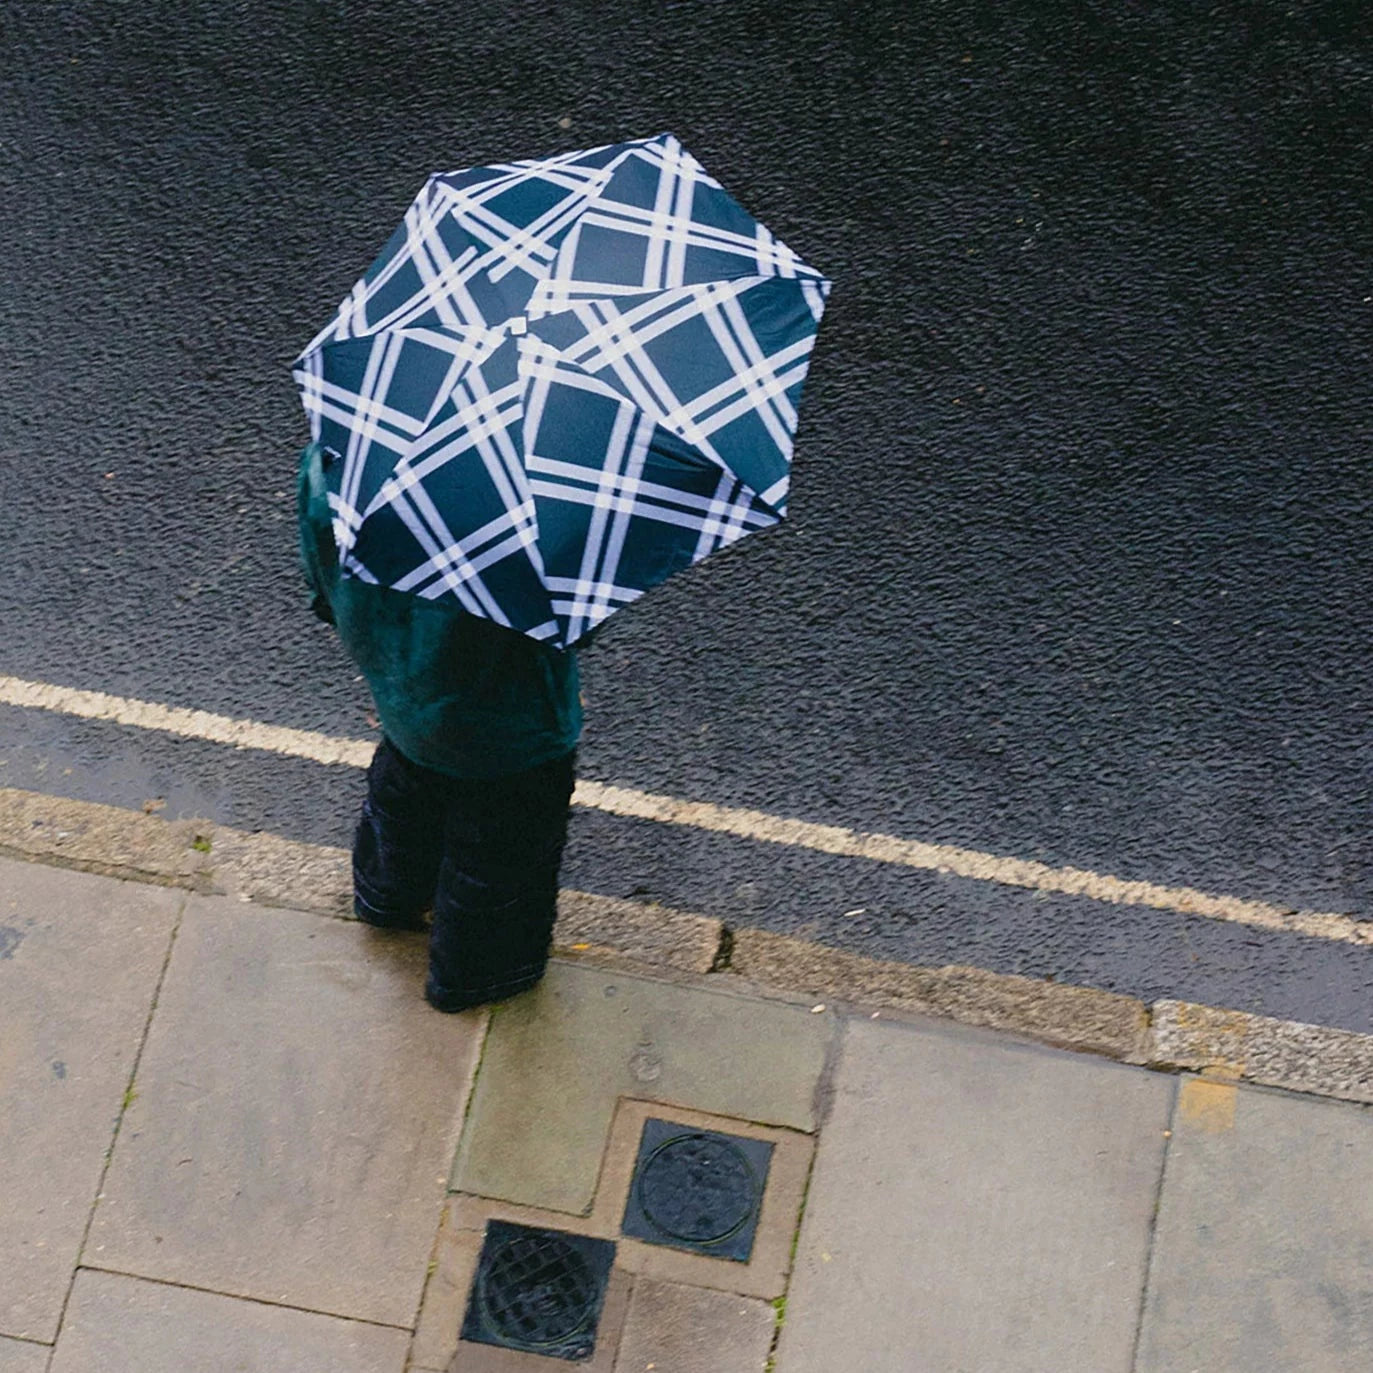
<point>457,562</point>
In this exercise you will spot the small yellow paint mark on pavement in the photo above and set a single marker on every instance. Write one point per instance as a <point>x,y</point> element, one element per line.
<point>1209,1106</point>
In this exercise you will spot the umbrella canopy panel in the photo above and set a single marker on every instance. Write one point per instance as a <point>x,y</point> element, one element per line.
<point>560,382</point>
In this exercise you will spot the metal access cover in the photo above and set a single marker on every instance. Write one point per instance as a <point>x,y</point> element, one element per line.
<point>538,1291</point>
<point>697,1190</point>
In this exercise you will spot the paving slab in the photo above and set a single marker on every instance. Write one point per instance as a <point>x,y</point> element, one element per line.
<point>682,1279</point>
<point>117,1324</point>
<point>676,1329</point>
<point>296,1112</point>
<point>765,1272</point>
<point>976,1204</point>
<point>80,958</point>
<point>557,1060</point>
<point>451,1270</point>
<point>17,1356</point>
<point>1263,1258</point>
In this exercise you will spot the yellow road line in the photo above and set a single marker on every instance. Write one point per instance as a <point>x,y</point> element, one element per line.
<point>189,724</point>
<point>746,824</point>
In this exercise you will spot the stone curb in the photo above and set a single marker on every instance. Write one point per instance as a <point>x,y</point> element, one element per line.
<point>1253,1048</point>
<point>104,839</point>
<point>1170,1036</point>
<point>272,871</point>
<point>1066,1017</point>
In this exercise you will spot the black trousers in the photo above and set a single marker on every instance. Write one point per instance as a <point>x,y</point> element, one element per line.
<point>483,854</point>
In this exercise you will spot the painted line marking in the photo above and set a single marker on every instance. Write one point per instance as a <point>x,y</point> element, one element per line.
<point>745,824</point>
<point>189,724</point>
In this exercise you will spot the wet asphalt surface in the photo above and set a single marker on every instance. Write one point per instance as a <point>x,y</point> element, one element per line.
<point>1079,563</point>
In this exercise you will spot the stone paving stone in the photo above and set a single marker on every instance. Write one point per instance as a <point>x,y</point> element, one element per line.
<point>765,1273</point>
<point>16,1356</point>
<point>1263,1257</point>
<point>976,1205</point>
<point>117,1324</point>
<point>454,1265</point>
<point>678,1329</point>
<point>80,957</point>
<point>297,1108</point>
<point>557,1060</point>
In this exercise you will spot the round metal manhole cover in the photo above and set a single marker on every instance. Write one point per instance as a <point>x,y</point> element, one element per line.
<point>537,1289</point>
<point>697,1188</point>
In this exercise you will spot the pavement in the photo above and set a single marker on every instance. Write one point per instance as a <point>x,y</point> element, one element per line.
<point>235,1138</point>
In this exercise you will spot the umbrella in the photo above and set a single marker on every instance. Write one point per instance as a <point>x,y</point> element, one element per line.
<point>560,382</point>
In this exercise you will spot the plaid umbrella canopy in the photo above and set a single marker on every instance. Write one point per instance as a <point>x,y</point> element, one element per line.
<point>560,382</point>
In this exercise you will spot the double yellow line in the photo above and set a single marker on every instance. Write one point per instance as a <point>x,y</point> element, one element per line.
<point>755,825</point>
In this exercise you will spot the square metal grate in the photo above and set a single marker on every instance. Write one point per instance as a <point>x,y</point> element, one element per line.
<point>697,1190</point>
<point>538,1291</point>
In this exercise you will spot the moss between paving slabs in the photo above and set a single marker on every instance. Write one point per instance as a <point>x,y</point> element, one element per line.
<point>779,1304</point>
<point>779,1309</point>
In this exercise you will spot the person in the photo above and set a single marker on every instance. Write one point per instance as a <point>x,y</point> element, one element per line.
<point>469,791</point>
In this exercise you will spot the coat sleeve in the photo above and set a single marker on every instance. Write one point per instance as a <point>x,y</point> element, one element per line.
<point>318,559</point>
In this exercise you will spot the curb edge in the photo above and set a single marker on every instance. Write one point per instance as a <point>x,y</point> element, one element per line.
<point>1167,1036</point>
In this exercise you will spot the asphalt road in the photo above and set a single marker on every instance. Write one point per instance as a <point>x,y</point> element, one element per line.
<point>1079,564</point>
